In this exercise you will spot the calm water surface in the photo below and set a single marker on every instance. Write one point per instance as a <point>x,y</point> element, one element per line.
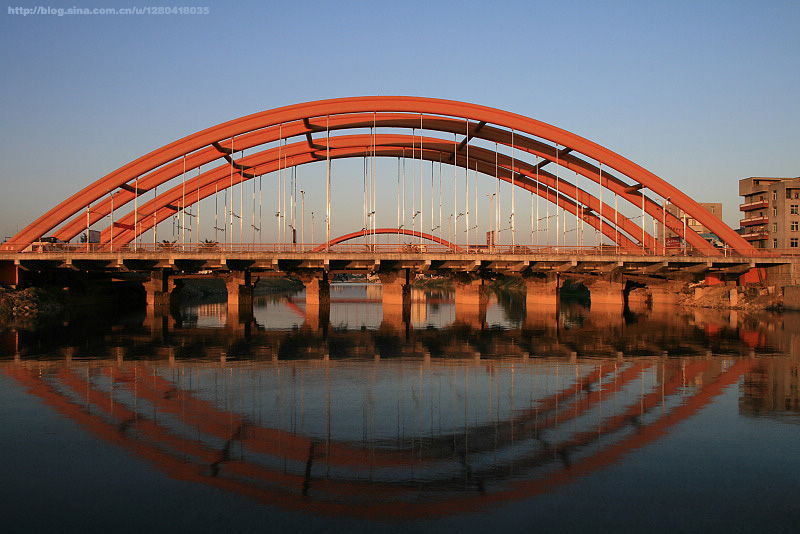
<point>504,420</point>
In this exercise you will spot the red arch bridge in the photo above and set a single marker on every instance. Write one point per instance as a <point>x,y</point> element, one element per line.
<point>410,185</point>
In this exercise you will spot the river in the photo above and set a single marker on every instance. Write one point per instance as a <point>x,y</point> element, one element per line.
<point>514,420</point>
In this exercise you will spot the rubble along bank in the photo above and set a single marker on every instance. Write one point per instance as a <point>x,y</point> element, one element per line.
<point>732,297</point>
<point>31,303</point>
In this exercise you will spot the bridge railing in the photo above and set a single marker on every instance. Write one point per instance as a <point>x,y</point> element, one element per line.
<point>385,248</point>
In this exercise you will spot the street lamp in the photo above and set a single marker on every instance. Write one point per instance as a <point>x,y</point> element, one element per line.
<point>302,218</point>
<point>112,193</point>
<point>491,233</point>
<point>449,233</point>
<point>312,227</point>
<point>664,223</point>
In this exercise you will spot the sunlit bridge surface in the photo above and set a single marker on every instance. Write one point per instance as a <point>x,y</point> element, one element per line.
<point>658,421</point>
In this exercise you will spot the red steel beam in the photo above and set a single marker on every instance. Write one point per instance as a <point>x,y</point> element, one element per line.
<point>379,104</point>
<point>389,145</point>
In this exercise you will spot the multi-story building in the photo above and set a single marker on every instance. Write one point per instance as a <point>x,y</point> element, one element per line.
<point>771,212</point>
<point>673,239</point>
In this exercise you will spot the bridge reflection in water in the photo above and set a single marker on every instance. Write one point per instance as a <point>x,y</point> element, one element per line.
<point>388,424</point>
<point>382,439</point>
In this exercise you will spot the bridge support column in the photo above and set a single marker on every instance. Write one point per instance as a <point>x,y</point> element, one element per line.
<point>471,298</point>
<point>9,274</point>
<point>541,299</point>
<point>161,291</point>
<point>607,292</point>
<point>240,296</point>
<point>396,298</point>
<point>318,298</point>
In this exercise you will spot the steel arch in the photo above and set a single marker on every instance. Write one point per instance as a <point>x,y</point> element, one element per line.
<point>396,111</point>
<point>387,231</point>
<point>353,146</point>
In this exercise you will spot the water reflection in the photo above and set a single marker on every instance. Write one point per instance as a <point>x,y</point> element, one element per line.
<point>381,439</point>
<point>433,419</point>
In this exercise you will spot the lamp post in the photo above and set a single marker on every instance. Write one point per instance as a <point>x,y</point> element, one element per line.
<point>302,218</point>
<point>684,232</point>
<point>112,193</point>
<point>664,223</point>
<point>87,227</point>
<point>312,227</point>
<point>491,233</point>
<point>449,233</point>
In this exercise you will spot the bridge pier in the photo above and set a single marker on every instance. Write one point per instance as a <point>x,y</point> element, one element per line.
<point>396,298</point>
<point>162,302</point>
<point>541,300</point>
<point>471,299</point>
<point>239,285</point>
<point>541,290</point>
<point>318,298</point>
<point>161,291</point>
<point>9,274</point>
<point>607,292</point>
<point>318,288</point>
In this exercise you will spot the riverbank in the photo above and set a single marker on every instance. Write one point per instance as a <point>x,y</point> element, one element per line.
<point>732,297</point>
<point>40,303</point>
<point>31,303</point>
<point>35,305</point>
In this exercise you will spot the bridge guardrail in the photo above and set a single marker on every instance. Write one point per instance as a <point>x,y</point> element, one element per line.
<point>404,248</point>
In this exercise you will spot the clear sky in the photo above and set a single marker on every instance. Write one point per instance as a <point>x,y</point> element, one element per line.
<point>701,93</point>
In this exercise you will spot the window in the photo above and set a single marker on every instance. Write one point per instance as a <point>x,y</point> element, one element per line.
<point>796,194</point>
<point>795,225</point>
<point>774,227</point>
<point>795,210</point>
<point>774,243</point>
<point>774,195</point>
<point>793,242</point>
<point>775,212</point>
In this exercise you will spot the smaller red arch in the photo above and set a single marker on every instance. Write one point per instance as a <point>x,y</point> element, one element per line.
<point>384,231</point>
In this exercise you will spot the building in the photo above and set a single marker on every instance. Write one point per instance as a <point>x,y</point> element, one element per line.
<point>771,212</point>
<point>673,239</point>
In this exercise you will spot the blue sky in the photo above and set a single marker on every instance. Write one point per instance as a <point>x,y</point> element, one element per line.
<point>701,93</point>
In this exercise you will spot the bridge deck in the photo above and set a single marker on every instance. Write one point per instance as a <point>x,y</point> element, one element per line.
<point>208,261</point>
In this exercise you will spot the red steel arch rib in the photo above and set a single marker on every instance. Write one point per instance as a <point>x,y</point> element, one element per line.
<point>389,231</point>
<point>440,124</point>
<point>385,145</point>
<point>398,111</point>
